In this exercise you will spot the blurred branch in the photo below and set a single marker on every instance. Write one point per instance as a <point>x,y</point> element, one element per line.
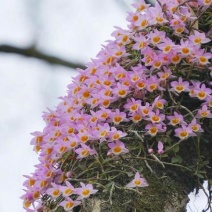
<point>34,53</point>
<point>124,5</point>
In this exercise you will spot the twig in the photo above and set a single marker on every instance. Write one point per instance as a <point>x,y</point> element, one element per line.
<point>148,166</point>
<point>157,159</point>
<point>177,143</point>
<point>111,193</point>
<point>166,163</point>
<point>136,133</point>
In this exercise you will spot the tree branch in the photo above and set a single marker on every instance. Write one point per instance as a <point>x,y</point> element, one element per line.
<point>34,53</point>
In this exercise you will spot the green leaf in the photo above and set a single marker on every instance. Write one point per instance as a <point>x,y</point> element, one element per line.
<point>169,132</point>
<point>176,159</point>
<point>176,148</point>
<point>180,159</point>
<point>163,155</point>
<point>109,184</point>
<point>140,169</point>
<point>130,174</point>
<point>200,176</point>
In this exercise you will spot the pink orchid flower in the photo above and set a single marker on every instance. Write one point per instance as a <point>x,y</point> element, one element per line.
<point>138,181</point>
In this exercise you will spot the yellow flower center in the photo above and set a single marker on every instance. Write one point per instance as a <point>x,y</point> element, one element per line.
<point>142,45</point>
<point>107,83</point>
<point>195,128</point>
<point>204,114</point>
<point>201,95</point>
<point>62,149</point>
<point>31,182</point>
<point>159,19</point>
<point>145,111</point>
<point>153,87</point>
<point>49,174</point>
<point>179,30</point>
<point>125,38</point>
<point>175,121</point>
<point>157,64</point>
<point>156,39</point>
<point>116,136</point>
<point>109,60</point>
<point>68,191</point>
<point>93,71</point>
<point>122,93</point>
<point>84,153</point>
<point>57,133</point>
<point>142,7</point>
<point>73,144</point>
<point>135,78</point>
<point>106,103</point>
<point>39,139</point>
<point>137,182</point>
<point>159,105</point>
<point>167,49</point>
<point>121,75</point>
<point>140,85</point>
<point>183,134</point>
<point>86,94</point>
<point>185,50</point>
<point>93,119</point>
<point>207,2</point>
<point>43,183</point>
<point>202,59</point>
<point>117,149</point>
<point>36,194</point>
<point>104,115</point>
<point>103,133</point>
<point>56,192</point>
<point>83,78</point>
<point>153,130</point>
<point>107,93</point>
<point>175,59</point>
<point>135,18</point>
<point>86,192</point>
<point>49,151</point>
<point>137,118</point>
<point>84,138</point>
<point>197,40</point>
<point>155,118</point>
<point>69,205</point>
<point>126,83</point>
<point>76,90</point>
<point>117,119</point>
<point>134,107</point>
<point>119,53</point>
<point>70,130</point>
<point>179,88</point>
<point>27,204</point>
<point>144,23</point>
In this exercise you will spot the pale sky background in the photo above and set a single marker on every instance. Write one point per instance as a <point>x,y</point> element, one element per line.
<point>69,29</point>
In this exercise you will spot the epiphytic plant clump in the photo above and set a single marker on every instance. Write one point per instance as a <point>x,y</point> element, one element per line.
<point>147,92</point>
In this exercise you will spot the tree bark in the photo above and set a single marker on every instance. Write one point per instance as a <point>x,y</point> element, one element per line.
<point>170,197</point>
<point>34,53</point>
<point>167,192</point>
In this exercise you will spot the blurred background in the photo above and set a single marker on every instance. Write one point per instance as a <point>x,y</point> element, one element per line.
<point>40,42</point>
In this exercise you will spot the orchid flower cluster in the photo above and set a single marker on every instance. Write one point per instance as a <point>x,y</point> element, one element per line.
<point>124,104</point>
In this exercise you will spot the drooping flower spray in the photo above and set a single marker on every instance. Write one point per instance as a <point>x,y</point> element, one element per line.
<point>137,92</point>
